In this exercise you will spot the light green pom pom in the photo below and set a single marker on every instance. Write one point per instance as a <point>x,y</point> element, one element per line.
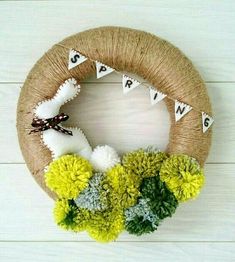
<point>68,175</point>
<point>105,226</point>
<point>183,176</point>
<point>123,187</point>
<point>144,163</point>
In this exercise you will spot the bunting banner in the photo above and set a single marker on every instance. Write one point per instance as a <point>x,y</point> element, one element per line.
<point>181,109</point>
<point>75,58</point>
<point>155,96</point>
<point>129,83</point>
<point>102,69</point>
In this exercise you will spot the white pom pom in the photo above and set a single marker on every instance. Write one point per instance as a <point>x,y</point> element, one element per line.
<point>103,158</point>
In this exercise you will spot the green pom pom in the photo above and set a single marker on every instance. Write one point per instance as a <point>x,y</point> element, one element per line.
<point>161,201</point>
<point>183,176</point>
<point>68,216</point>
<point>138,226</point>
<point>144,163</point>
<point>68,175</point>
<point>156,203</point>
<point>123,187</point>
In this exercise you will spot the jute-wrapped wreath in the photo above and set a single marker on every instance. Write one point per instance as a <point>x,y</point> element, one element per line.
<point>96,189</point>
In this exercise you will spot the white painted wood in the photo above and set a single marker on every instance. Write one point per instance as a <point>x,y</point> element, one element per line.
<point>123,121</point>
<point>204,30</point>
<point>117,252</point>
<point>26,211</point>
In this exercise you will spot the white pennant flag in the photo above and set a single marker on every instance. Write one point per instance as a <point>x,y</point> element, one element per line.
<point>75,58</point>
<point>129,83</point>
<point>181,109</point>
<point>155,96</point>
<point>102,70</point>
<point>207,121</point>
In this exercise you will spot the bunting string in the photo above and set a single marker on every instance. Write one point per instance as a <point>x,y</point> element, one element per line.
<point>76,58</point>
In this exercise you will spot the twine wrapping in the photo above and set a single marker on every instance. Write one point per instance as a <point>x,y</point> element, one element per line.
<point>154,59</point>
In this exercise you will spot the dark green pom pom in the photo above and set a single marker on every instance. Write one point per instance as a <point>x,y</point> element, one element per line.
<point>155,204</point>
<point>138,226</point>
<point>140,219</point>
<point>162,202</point>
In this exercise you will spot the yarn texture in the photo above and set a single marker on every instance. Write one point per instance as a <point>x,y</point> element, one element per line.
<point>155,204</point>
<point>68,175</point>
<point>93,197</point>
<point>123,187</point>
<point>144,163</point>
<point>183,176</point>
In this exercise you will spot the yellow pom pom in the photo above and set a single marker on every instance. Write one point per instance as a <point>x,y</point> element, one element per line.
<point>68,175</point>
<point>144,163</point>
<point>68,216</point>
<point>123,187</point>
<point>106,226</point>
<point>183,176</point>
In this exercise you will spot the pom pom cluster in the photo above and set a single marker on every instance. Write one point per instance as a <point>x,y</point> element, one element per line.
<point>106,195</point>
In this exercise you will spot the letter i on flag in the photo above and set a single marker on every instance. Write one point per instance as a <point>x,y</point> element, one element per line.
<point>102,70</point>
<point>75,58</point>
<point>155,96</point>
<point>207,121</point>
<point>181,110</point>
<point>129,83</point>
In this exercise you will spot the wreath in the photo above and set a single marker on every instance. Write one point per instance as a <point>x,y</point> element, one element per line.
<point>97,190</point>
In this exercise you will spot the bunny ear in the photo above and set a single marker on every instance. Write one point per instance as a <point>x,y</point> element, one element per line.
<point>65,93</point>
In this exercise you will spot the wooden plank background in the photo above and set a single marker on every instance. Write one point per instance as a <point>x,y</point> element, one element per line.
<point>203,230</point>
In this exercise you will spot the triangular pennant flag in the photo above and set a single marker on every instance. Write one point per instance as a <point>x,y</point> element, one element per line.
<point>75,58</point>
<point>181,109</point>
<point>129,83</point>
<point>155,96</point>
<point>102,70</point>
<point>207,121</point>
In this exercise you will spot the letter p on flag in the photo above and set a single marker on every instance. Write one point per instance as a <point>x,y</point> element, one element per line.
<point>102,70</point>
